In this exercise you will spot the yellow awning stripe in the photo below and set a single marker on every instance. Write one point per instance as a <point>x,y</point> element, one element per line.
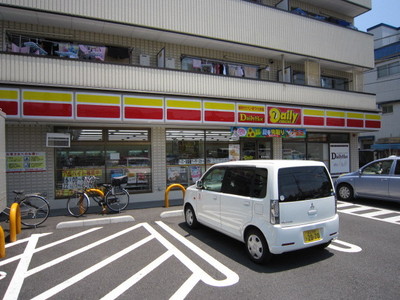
<point>219,106</point>
<point>338,114</point>
<point>98,99</point>
<point>8,95</point>
<point>46,96</point>
<point>313,112</point>
<point>143,101</point>
<point>355,115</point>
<point>183,104</point>
<point>372,117</point>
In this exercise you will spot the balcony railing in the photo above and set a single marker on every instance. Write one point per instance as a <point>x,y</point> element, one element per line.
<point>56,72</point>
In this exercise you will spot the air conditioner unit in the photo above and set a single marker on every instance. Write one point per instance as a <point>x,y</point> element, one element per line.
<point>144,60</point>
<point>58,140</point>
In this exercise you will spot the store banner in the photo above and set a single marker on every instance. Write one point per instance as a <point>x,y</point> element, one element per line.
<point>339,158</point>
<point>258,132</point>
<point>25,161</point>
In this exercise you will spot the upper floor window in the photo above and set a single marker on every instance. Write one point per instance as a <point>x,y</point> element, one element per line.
<point>387,109</point>
<point>389,69</point>
<point>36,45</point>
<point>213,66</point>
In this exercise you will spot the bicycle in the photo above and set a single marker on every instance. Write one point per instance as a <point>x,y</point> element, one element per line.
<point>116,197</point>
<point>34,208</point>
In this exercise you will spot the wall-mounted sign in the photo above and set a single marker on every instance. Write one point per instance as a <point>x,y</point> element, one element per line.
<point>284,115</point>
<point>339,158</point>
<point>248,113</point>
<point>26,161</point>
<point>258,132</point>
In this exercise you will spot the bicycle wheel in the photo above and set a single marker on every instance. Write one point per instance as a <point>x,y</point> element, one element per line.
<point>78,204</point>
<point>34,210</point>
<point>117,199</point>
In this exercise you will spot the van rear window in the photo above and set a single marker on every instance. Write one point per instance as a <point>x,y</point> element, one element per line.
<point>304,183</point>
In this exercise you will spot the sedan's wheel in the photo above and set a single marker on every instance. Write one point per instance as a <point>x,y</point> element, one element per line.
<point>257,247</point>
<point>345,192</point>
<point>190,217</point>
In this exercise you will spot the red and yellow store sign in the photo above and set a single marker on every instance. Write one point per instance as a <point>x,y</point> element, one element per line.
<point>284,115</point>
<point>251,114</point>
<point>129,107</point>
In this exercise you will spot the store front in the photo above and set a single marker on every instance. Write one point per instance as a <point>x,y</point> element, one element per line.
<point>157,141</point>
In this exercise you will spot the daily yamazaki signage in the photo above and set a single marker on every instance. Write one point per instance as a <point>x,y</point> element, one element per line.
<point>67,105</point>
<point>258,132</point>
<point>251,113</point>
<point>284,115</point>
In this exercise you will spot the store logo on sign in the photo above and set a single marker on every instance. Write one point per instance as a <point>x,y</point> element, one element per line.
<point>284,115</point>
<point>252,118</point>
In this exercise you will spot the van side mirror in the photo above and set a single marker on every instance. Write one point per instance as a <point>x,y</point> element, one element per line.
<point>199,184</point>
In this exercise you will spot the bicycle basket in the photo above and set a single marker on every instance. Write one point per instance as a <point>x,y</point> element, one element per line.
<point>89,182</point>
<point>118,181</point>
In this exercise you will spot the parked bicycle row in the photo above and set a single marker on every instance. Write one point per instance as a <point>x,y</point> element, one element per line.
<point>35,209</point>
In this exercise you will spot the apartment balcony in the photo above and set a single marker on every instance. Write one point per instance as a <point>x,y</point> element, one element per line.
<point>351,8</point>
<point>61,73</point>
<point>243,28</point>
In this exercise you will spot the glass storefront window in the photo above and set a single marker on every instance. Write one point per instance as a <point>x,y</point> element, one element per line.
<point>293,150</point>
<point>219,147</point>
<point>105,154</point>
<point>191,152</point>
<point>185,156</point>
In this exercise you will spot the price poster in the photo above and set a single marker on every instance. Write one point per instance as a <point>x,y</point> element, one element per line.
<point>25,161</point>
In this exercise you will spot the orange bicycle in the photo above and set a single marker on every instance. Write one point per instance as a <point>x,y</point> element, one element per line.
<point>116,198</point>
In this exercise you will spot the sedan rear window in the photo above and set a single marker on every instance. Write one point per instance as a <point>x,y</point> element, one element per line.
<point>304,183</point>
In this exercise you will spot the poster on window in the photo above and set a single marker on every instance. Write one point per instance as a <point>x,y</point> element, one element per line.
<point>234,152</point>
<point>339,158</point>
<point>26,161</point>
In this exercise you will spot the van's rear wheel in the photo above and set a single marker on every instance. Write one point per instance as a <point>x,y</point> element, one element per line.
<point>190,217</point>
<point>257,247</point>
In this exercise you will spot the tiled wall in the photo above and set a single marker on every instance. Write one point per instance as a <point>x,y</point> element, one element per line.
<point>30,138</point>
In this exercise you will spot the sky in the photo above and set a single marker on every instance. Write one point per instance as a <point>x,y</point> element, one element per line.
<point>383,11</point>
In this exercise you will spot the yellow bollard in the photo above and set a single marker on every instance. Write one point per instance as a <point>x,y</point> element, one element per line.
<point>2,243</point>
<point>15,221</point>
<point>166,199</point>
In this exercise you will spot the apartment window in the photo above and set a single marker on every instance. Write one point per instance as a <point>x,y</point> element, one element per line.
<point>389,69</point>
<point>334,83</point>
<point>219,67</point>
<point>387,109</point>
<point>44,46</point>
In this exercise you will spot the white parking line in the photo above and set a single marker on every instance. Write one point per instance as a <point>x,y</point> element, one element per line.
<point>198,274</point>
<point>373,215</point>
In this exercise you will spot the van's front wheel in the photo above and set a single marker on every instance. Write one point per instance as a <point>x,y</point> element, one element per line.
<point>257,247</point>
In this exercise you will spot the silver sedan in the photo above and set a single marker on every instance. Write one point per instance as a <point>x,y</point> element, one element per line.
<point>379,179</point>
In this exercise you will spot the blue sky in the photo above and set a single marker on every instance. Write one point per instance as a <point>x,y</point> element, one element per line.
<point>383,11</point>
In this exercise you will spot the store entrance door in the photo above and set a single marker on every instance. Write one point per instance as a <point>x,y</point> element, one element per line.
<point>255,149</point>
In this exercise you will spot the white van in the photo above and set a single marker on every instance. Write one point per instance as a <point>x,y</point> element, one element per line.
<point>273,206</point>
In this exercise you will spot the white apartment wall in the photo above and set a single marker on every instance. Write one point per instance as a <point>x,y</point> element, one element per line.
<point>17,68</point>
<point>3,185</point>
<point>231,20</point>
<point>384,35</point>
<point>386,88</point>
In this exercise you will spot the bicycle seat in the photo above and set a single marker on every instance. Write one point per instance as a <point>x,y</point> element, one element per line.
<point>18,192</point>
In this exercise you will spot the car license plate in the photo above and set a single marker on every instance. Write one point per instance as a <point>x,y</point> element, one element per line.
<point>311,235</point>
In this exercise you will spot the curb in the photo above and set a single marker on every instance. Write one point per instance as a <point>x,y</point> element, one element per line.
<point>172,213</point>
<point>93,222</point>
